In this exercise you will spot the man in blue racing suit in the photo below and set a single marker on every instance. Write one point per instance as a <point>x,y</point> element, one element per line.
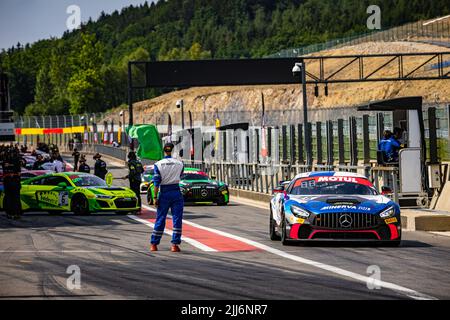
<point>166,179</point>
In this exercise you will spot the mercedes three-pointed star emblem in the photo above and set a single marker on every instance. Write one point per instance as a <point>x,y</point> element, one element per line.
<point>345,221</point>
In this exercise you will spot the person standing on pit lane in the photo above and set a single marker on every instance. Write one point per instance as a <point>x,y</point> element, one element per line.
<point>76,158</point>
<point>11,182</point>
<point>135,171</point>
<point>58,163</point>
<point>84,167</point>
<point>100,169</point>
<point>166,179</point>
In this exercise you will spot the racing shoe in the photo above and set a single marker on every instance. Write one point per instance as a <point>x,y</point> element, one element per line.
<point>153,247</point>
<point>175,248</point>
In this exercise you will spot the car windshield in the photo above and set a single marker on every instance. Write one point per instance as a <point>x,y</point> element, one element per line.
<point>87,181</point>
<point>194,176</point>
<point>149,172</point>
<point>326,185</point>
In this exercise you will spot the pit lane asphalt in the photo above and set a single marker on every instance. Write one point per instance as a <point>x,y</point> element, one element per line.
<point>115,262</point>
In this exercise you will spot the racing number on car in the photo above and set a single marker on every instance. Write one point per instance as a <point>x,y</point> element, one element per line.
<point>63,198</point>
<point>52,198</point>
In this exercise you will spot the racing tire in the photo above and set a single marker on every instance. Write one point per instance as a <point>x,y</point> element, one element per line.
<point>272,233</point>
<point>284,238</point>
<point>222,203</point>
<point>80,205</point>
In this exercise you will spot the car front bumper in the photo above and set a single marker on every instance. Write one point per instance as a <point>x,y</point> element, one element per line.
<point>381,232</point>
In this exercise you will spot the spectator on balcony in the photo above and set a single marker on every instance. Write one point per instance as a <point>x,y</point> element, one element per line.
<point>396,144</point>
<point>385,146</point>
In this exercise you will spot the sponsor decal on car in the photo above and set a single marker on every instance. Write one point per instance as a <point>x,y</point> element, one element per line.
<point>56,199</point>
<point>361,208</point>
<point>391,220</point>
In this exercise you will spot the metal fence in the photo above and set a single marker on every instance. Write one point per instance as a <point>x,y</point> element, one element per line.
<point>330,132</point>
<point>57,121</point>
<point>437,33</point>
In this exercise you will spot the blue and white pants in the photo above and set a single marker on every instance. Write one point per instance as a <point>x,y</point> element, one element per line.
<point>174,201</point>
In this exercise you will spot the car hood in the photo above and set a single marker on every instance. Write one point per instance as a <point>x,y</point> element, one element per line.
<point>112,191</point>
<point>341,203</point>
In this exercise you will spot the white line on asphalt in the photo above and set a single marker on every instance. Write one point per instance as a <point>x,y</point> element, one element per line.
<point>349,274</point>
<point>191,241</point>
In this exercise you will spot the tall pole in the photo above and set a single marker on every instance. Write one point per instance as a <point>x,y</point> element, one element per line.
<point>305,116</point>
<point>130,95</point>
<point>130,101</point>
<point>180,104</point>
<point>204,110</point>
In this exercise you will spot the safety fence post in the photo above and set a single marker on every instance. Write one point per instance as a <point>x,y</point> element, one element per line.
<point>292,143</point>
<point>330,154</point>
<point>300,144</point>
<point>353,141</point>
<point>380,126</point>
<point>269,141</point>
<point>432,134</point>
<point>284,142</point>
<point>319,143</point>
<point>341,148</point>
<point>366,141</point>
<point>309,159</point>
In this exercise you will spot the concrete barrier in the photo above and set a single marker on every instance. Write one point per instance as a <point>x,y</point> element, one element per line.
<point>433,223</point>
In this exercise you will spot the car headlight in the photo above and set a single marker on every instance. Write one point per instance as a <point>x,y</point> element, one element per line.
<point>299,212</point>
<point>102,196</point>
<point>387,213</point>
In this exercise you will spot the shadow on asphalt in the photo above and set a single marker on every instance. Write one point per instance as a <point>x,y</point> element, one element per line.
<point>45,220</point>
<point>360,244</point>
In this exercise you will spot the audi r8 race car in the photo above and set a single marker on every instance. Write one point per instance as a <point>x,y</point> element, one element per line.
<point>147,177</point>
<point>197,187</point>
<point>333,206</point>
<point>80,193</point>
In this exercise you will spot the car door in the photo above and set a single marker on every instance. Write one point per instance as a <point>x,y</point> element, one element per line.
<point>51,196</point>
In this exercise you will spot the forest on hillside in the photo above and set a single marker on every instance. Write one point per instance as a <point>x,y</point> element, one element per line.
<point>86,70</point>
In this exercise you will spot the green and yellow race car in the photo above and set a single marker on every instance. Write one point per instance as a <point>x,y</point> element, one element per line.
<point>80,193</point>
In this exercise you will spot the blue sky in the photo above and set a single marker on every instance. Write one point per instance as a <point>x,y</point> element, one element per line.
<point>27,21</point>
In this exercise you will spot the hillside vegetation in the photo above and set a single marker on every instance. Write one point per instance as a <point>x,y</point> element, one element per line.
<point>85,70</point>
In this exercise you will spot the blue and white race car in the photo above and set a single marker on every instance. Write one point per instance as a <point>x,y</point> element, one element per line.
<point>332,205</point>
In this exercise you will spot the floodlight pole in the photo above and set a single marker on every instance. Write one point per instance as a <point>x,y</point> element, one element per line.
<point>130,96</point>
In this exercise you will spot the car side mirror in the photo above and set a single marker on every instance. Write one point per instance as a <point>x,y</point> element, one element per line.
<point>62,185</point>
<point>278,190</point>
<point>109,179</point>
<point>386,190</point>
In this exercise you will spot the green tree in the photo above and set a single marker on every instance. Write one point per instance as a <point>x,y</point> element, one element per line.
<point>85,87</point>
<point>44,86</point>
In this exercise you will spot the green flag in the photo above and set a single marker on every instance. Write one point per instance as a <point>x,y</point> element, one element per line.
<point>150,146</point>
